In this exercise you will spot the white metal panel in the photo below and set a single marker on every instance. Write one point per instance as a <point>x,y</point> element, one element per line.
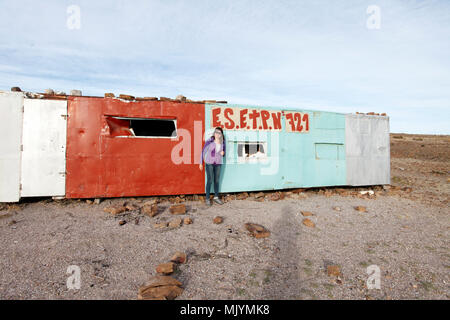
<point>11,104</point>
<point>367,150</point>
<point>44,148</point>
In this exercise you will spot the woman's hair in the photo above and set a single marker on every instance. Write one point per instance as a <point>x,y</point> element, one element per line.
<point>221,131</point>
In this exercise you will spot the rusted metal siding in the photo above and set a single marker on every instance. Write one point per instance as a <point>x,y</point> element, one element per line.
<point>101,165</point>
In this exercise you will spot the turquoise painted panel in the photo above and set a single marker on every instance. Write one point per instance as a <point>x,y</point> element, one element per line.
<point>328,151</point>
<point>290,160</point>
<point>328,120</point>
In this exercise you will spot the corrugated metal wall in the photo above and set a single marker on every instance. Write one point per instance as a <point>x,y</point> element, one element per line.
<point>367,150</point>
<point>11,115</point>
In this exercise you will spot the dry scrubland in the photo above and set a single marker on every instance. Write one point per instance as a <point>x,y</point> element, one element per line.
<point>403,229</point>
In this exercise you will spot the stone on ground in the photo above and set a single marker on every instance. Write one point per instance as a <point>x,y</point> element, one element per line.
<point>307,222</point>
<point>179,257</point>
<point>165,268</point>
<point>218,220</point>
<point>361,208</point>
<point>160,288</point>
<point>334,270</point>
<point>150,210</point>
<point>115,209</point>
<point>178,209</point>
<point>175,223</point>
<point>257,230</point>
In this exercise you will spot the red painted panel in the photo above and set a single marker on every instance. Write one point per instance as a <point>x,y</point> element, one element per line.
<point>102,165</point>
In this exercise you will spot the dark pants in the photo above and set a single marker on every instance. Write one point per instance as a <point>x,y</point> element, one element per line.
<point>212,173</point>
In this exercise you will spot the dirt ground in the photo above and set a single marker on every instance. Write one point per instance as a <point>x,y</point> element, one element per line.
<point>405,232</point>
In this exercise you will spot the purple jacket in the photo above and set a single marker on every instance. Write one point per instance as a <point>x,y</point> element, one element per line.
<point>209,152</point>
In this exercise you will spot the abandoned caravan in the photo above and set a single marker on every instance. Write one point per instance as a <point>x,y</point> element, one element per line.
<point>92,147</point>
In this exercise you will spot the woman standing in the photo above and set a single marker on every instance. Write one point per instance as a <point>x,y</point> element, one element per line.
<point>212,152</point>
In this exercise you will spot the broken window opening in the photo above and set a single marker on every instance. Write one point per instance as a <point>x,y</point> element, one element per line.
<point>252,150</point>
<point>141,127</point>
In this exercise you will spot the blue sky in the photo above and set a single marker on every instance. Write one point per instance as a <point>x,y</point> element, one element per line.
<point>307,54</point>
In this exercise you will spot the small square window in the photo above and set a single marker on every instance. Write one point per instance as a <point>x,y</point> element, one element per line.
<point>252,151</point>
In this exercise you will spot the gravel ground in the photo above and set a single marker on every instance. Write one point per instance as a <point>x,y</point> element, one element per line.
<point>405,232</point>
<point>408,240</point>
